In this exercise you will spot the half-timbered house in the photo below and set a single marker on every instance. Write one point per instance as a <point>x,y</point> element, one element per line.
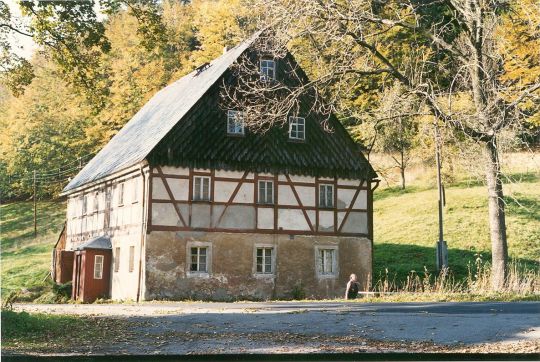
<point>190,204</point>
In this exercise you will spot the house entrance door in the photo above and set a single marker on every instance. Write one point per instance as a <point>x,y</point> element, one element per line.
<point>78,277</point>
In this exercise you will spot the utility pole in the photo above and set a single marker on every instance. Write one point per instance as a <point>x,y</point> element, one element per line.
<point>35,206</point>
<point>442,249</point>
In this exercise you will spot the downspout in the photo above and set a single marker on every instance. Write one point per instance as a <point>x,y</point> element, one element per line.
<point>371,191</point>
<point>143,232</point>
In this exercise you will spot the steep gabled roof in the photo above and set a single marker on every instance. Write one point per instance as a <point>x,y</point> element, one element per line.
<point>184,125</point>
<point>155,119</point>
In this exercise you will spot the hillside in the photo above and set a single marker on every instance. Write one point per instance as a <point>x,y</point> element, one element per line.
<point>26,261</point>
<point>406,227</point>
<point>405,231</point>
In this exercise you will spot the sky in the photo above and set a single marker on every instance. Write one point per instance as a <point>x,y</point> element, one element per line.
<point>21,45</point>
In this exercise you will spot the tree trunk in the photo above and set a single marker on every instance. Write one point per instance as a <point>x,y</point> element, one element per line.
<point>497,222</point>
<point>402,169</point>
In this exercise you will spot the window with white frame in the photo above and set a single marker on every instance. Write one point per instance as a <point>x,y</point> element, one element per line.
<point>116,259</point>
<point>199,259</point>
<point>98,267</point>
<point>96,202</point>
<point>201,188</point>
<point>326,261</point>
<point>268,70</point>
<point>85,204</point>
<point>235,122</point>
<point>326,195</point>
<point>131,258</point>
<point>266,192</point>
<point>264,260</point>
<point>121,194</point>
<point>297,128</point>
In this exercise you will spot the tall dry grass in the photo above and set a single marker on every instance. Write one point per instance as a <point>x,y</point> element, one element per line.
<point>520,280</point>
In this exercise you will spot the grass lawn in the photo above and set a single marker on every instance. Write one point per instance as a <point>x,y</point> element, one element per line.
<point>26,260</point>
<point>406,227</point>
<point>46,332</point>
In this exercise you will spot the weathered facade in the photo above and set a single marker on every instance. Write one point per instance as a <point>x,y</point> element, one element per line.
<point>196,206</point>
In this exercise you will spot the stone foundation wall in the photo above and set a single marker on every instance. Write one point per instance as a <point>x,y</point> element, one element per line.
<point>232,275</point>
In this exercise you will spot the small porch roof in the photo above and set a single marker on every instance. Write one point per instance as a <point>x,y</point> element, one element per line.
<point>100,242</point>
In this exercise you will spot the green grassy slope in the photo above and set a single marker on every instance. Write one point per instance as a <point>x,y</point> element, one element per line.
<point>26,260</point>
<point>406,227</point>
<point>405,231</point>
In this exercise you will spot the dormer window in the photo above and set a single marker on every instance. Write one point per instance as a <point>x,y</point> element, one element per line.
<point>268,70</point>
<point>235,122</point>
<point>297,128</point>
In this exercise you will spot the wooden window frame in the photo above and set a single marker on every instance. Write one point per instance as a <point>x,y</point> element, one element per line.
<point>265,181</point>
<point>135,191</point>
<point>121,195</point>
<point>264,247</point>
<point>198,245</point>
<point>117,259</point>
<point>98,273</point>
<point>294,121</point>
<point>236,118</point>
<point>321,272</point>
<point>95,206</point>
<point>195,197</point>
<point>326,205</point>
<point>264,68</point>
<point>131,258</point>
<point>85,205</point>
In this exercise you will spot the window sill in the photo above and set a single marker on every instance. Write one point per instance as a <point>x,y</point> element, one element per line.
<point>329,208</point>
<point>238,135</point>
<point>202,275</point>
<point>297,140</point>
<point>326,276</point>
<point>201,201</point>
<point>264,275</point>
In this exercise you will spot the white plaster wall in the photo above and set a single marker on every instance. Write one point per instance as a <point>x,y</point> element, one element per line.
<point>124,283</point>
<point>223,190</point>
<point>348,182</point>
<point>231,174</point>
<point>286,196</point>
<point>245,194</point>
<point>306,195</point>
<point>170,170</point>
<point>291,219</point>
<point>326,220</point>
<point>179,188</point>
<point>158,189</point>
<point>356,223</point>
<point>164,214</point>
<point>361,200</point>
<point>345,197</point>
<point>265,218</point>
<point>302,178</point>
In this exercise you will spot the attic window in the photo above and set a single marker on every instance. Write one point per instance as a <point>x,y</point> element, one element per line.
<point>268,70</point>
<point>297,128</point>
<point>235,122</point>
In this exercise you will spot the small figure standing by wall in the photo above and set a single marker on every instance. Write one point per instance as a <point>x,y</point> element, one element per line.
<point>352,287</point>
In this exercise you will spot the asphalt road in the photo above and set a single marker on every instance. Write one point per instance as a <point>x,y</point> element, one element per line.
<point>438,323</point>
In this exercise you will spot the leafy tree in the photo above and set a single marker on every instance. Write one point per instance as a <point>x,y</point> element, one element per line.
<point>458,55</point>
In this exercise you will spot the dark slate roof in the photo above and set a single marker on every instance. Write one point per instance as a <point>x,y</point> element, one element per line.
<point>201,141</point>
<point>184,125</point>
<point>101,242</point>
<point>156,118</point>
